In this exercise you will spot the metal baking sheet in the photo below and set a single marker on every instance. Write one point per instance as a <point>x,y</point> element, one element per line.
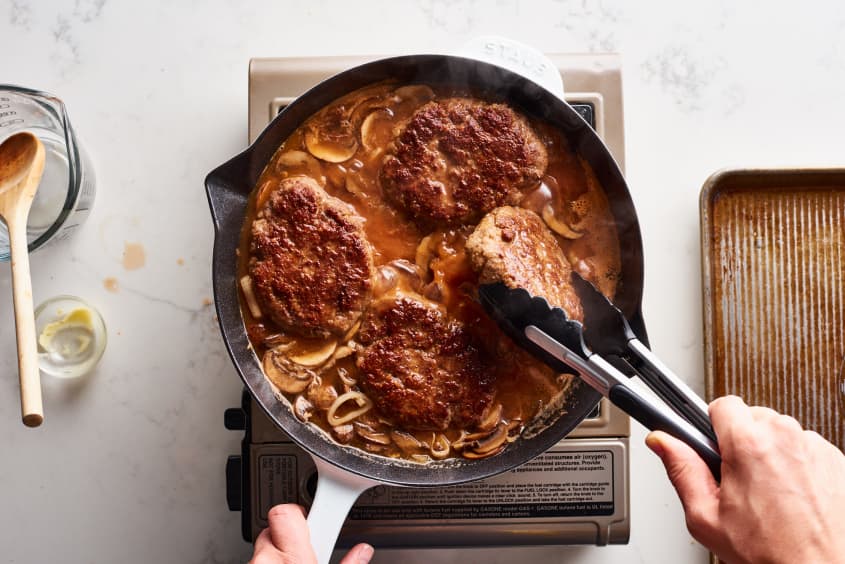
<point>773,268</point>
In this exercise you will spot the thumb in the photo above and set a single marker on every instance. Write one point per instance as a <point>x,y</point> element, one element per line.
<point>690,476</point>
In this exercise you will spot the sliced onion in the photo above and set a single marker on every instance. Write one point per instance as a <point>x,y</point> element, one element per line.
<point>440,447</point>
<point>363,402</point>
<point>558,226</point>
<point>352,330</point>
<point>249,296</point>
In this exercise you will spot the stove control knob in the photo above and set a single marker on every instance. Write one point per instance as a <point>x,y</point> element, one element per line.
<point>234,483</point>
<point>234,419</point>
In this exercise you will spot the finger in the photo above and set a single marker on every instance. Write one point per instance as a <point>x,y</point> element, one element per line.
<point>263,542</point>
<point>732,421</point>
<point>762,414</point>
<point>691,478</point>
<point>289,531</point>
<point>359,554</point>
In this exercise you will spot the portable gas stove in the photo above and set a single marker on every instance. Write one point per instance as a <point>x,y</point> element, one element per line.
<point>575,493</point>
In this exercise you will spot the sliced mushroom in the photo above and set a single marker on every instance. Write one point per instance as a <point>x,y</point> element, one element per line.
<point>330,151</point>
<point>490,443</point>
<point>375,448</point>
<point>416,92</point>
<point>376,128</point>
<point>313,355</point>
<point>285,375</point>
<point>433,291</point>
<point>331,135</point>
<point>386,279</point>
<point>514,430</point>
<point>408,273</point>
<point>421,458</point>
<point>491,417</point>
<point>558,226</point>
<point>276,340</point>
<point>475,455</point>
<point>321,394</point>
<point>336,175</point>
<point>343,433</point>
<point>342,352</point>
<point>302,408</point>
<point>406,442</point>
<point>293,163</point>
<point>344,376</point>
<point>424,253</point>
<point>371,435</point>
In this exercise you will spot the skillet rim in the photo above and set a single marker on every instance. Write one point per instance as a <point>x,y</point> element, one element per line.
<point>228,187</point>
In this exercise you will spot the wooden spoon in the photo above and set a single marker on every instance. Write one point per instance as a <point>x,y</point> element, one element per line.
<point>21,166</point>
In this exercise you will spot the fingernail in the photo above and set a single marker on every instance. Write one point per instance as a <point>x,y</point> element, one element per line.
<point>365,554</point>
<point>653,442</point>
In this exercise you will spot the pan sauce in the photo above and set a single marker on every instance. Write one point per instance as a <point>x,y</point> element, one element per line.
<point>342,148</point>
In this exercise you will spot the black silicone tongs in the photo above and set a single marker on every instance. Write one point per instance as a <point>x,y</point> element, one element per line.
<point>607,333</point>
<point>549,335</point>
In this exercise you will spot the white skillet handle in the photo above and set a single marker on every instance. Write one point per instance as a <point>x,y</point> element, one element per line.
<point>337,491</point>
<point>517,57</point>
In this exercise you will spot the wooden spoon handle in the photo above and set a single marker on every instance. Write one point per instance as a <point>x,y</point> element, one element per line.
<point>32,409</point>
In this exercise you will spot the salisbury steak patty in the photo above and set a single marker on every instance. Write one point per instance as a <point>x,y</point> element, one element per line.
<point>422,371</point>
<point>514,246</point>
<point>459,158</point>
<point>310,262</point>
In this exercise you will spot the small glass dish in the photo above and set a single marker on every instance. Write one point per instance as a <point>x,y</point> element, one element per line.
<point>71,336</point>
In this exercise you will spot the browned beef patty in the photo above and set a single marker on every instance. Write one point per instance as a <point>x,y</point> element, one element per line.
<point>459,158</point>
<point>422,371</point>
<point>311,264</point>
<point>514,246</point>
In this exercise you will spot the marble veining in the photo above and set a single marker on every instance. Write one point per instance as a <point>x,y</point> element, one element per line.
<point>20,13</point>
<point>128,466</point>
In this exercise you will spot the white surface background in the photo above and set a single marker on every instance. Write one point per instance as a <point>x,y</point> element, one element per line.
<point>128,466</point>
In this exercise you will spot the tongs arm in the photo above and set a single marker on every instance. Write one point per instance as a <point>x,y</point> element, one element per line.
<point>624,393</point>
<point>671,388</point>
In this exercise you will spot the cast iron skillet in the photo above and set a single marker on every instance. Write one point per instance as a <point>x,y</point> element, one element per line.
<point>229,186</point>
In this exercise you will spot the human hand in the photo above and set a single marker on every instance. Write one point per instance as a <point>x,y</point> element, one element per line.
<point>288,541</point>
<point>782,494</point>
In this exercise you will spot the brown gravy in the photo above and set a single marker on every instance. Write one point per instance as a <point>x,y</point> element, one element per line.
<point>569,198</point>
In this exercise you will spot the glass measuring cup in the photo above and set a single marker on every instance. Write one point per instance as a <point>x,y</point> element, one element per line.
<point>67,188</point>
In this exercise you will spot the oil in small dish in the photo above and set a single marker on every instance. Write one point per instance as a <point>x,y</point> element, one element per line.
<point>71,336</point>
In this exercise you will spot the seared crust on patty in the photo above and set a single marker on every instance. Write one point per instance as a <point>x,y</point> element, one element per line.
<point>459,158</point>
<point>423,371</point>
<point>311,264</point>
<point>514,246</point>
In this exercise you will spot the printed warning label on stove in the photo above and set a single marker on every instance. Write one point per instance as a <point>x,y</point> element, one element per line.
<point>555,484</point>
<point>277,480</point>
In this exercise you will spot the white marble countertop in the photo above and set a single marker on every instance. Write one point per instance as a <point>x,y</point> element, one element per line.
<point>128,466</point>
